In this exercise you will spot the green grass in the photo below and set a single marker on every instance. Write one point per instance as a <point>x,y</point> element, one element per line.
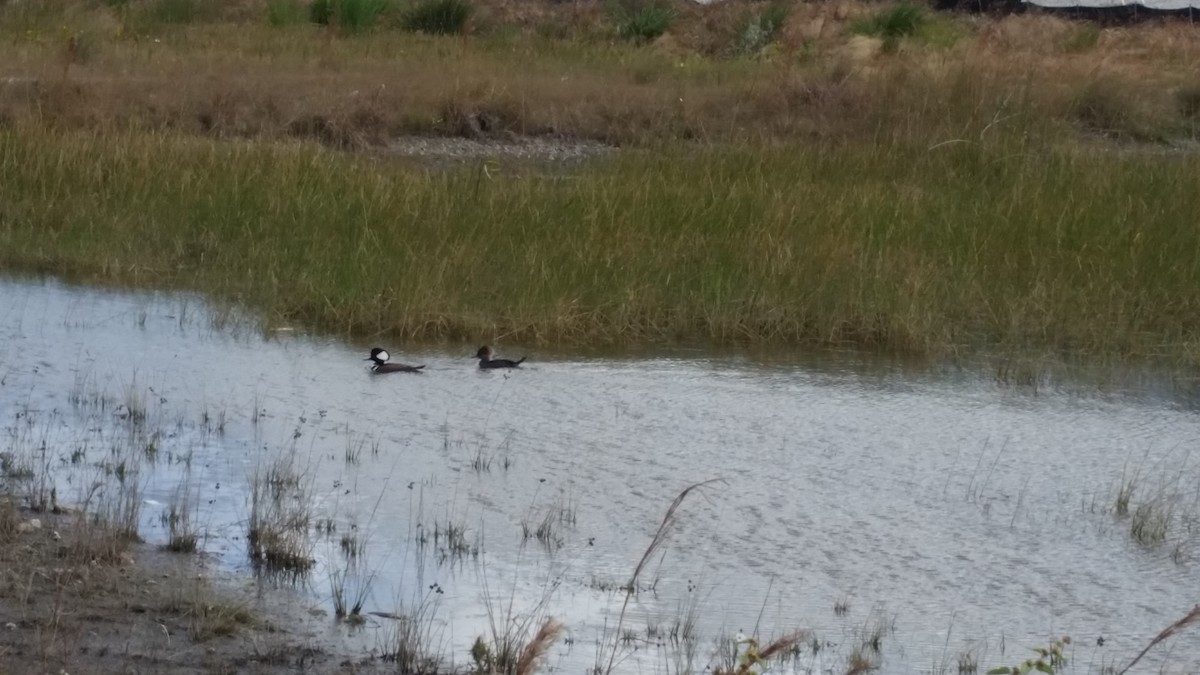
<point>438,17</point>
<point>899,21</point>
<point>643,22</point>
<point>286,12</point>
<point>354,16</point>
<point>887,245</point>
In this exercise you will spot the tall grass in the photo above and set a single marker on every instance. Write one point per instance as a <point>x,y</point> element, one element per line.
<point>279,525</point>
<point>642,21</point>
<point>893,245</point>
<point>286,12</point>
<point>183,534</point>
<point>438,17</point>
<point>900,21</point>
<point>351,15</point>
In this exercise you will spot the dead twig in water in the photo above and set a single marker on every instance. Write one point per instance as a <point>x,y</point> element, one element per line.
<point>660,535</point>
<point>1166,633</point>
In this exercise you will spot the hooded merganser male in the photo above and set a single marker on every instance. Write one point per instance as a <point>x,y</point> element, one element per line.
<point>485,355</point>
<point>380,357</point>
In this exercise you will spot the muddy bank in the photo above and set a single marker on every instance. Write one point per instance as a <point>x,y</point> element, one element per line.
<point>76,598</point>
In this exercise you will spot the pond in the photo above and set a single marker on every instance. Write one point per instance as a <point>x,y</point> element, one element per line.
<point>918,516</point>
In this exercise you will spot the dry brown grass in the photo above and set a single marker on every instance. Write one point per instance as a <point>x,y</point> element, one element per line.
<point>538,646</point>
<point>248,79</point>
<point>1165,634</point>
<point>10,520</point>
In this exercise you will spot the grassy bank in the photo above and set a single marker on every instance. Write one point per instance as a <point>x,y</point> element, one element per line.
<point>892,245</point>
<point>789,172</point>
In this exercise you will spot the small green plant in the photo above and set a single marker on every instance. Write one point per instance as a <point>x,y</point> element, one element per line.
<point>644,22</point>
<point>762,28</point>
<point>359,15</point>
<point>353,16</point>
<point>1050,659</point>
<point>901,21</point>
<point>438,17</point>
<point>287,12</point>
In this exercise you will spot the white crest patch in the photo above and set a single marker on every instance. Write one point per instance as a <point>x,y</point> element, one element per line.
<point>382,355</point>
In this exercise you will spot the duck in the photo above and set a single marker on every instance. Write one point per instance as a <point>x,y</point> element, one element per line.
<point>381,365</point>
<point>486,360</point>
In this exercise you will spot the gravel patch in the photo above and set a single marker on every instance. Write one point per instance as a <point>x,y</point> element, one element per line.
<point>533,149</point>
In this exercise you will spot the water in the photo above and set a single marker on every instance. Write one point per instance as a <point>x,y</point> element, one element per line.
<point>931,505</point>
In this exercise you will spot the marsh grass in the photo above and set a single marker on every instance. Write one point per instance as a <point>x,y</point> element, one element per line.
<point>895,247</point>
<point>919,204</point>
<point>183,535</point>
<point>546,525</point>
<point>450,537</point>
<point>1126,488</point>
<point>656,542</point>
<point>1161,504</point>
<point>682,637</point>
<point>1152,519</point>
<point>544,531</point>
<point>350,590</point>
<point>745,656</point>
<point>115,503</point>
<point>281,514</point>
<point>107,522</point>
<point>414,642</point>
<point>209,616</point>
<point>515,658</point>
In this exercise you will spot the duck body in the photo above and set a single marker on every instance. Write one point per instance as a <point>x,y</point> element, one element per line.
<point>487,360</point>
<point>381,365</point>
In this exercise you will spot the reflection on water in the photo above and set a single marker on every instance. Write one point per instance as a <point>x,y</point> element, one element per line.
<point>931,506</point>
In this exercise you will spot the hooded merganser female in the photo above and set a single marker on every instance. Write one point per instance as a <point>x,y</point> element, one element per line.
<point>380,357</point>
<point>485,355</point>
